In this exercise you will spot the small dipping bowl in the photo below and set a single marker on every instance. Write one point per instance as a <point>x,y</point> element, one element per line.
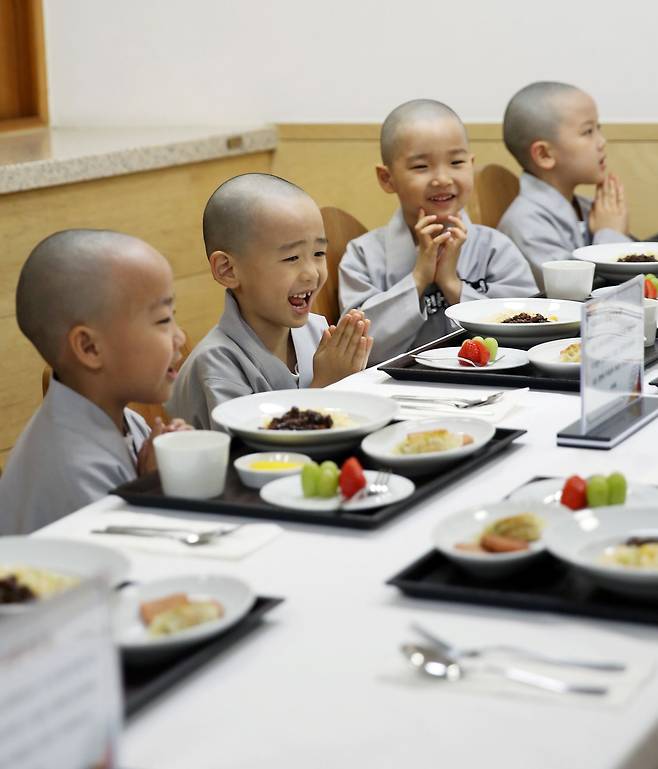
<point>255,470</point>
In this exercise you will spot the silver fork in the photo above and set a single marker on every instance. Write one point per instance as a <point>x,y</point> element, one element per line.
<point>378,487</point>
<point>460,403</point>
<point>460,652</point>
<point>467,361</point>
<point>186,536</point>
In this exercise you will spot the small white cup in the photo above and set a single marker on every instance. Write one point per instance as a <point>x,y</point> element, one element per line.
<point>192,463</point>
<point>650,306</point>
<point>568,279</point>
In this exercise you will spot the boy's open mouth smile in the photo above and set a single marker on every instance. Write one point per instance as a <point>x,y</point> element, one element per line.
<point>301,302</point>
<point>444,197</point>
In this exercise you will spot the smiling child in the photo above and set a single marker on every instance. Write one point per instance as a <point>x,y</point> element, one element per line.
<point>266,245</point>
<point>98,306</point>
<point>429,256</point>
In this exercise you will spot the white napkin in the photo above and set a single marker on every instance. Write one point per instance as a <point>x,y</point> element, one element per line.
<point>233,547</point>
<point>621,685</point>
<point>494,412</point>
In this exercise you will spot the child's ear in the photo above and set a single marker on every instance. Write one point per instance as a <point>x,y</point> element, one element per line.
<point>385,179</point>
<point>541,154</point>
<point>84,345</point>
<point>222,266</point>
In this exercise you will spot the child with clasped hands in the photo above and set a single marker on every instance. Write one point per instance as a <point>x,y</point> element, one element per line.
<point>429,256</point>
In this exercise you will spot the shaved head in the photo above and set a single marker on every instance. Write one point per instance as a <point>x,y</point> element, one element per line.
<point>73,278</point>
<point>533,114</point>
<point>231,215</point>
<point>418,110</point>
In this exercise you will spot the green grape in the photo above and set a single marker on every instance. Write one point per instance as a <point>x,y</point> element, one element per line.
<point>492,346</point>
<point>616,489</point>
<point>478,339</point>
<point>329,465</point>
<point>310,478</point>
<point>597,491</point>
<point>327,483</point>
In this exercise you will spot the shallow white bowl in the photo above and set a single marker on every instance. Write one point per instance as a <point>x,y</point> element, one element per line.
<point>581,539</point>
<point>381,444</point>
<point>605,257</point>
<point>479,316</point>
<point>287,493</point>
<point>131,635</point>
<point>466,525</point>
<point>548,491</point>
<point>445,358</point>
<point>546,357</point>
<point>73,559</point>
<point>248,415</point>
<point>256,479</point>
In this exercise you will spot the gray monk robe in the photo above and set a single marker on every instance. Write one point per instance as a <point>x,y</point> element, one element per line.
<point>545,226</point>
<point>231,361</point>
<point>375,276</point>
<point>70,454</point>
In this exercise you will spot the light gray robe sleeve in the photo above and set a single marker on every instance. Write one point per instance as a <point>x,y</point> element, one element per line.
<point>507,273</point>
<point>395,314</point>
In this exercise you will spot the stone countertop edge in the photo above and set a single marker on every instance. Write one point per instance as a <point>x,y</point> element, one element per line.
<point>217,144</point>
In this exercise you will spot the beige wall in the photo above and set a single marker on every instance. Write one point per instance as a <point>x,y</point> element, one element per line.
<point>335,164</point>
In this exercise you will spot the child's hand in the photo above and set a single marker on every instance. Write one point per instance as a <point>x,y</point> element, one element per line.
<point>430,238</point>
<point>343,349</point>
<point>609,210</point>
<point>146,462</point>
<point>445,276</point>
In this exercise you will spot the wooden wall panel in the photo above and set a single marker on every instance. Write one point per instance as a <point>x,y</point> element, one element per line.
<point>163,207</point>
<point>335,164</point>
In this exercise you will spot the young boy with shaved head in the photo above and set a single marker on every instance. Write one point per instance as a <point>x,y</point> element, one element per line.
<point>98,306</point>
<point>553,131</point>
<point>429,256</point>
<point>266,245</point>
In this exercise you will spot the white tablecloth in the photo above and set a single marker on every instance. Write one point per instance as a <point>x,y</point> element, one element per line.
<point>316,686</point>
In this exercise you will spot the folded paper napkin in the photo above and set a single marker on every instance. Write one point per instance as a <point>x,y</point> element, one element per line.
<point>493,412</point>
<point>622,686</point>
<point>233,547</point>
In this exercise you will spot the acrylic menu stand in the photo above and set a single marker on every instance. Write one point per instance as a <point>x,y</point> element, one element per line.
<point>60,697</point>
<point>611,370</point>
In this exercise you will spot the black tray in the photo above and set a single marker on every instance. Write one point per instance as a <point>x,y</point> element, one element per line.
<point>239,500</point>
<point>548,584</point>
<point>525,376</point>
<point>143,683</point>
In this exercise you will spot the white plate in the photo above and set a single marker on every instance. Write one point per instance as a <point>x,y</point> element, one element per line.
<point>381,445</point>
<point>581,539</point>
<point>546,357</point>
<point>605,258</point>
<point>248,415</point>
<point>132,636</point>
<point>446,358</point>
<point>256,479</point>
<point>76,559</point>
<point>467,525</point>
<point>478,317</point>
<point>549,490</point>
<point>287,492</point>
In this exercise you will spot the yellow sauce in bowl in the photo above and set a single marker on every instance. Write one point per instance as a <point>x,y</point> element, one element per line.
<point>269,465</point>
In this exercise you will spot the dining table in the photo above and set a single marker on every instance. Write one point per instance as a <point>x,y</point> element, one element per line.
<point>322,681</point>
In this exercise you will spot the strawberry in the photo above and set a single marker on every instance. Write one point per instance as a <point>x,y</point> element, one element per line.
<point>352,477</point>
<point>474,350</point>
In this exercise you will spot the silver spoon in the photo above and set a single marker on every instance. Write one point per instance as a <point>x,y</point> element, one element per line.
<point>191,538</point>
<point>433,663</point>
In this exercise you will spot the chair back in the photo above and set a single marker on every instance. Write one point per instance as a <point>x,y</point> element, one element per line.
<point>340,227</point>
<point>147,410</point>
<point>494,189</point>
